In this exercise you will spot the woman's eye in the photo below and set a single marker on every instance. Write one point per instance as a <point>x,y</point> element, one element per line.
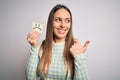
<point>67,21</point>
<point>57,20</point>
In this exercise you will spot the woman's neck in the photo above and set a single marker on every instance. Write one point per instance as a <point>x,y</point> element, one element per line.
<point>59,40</point>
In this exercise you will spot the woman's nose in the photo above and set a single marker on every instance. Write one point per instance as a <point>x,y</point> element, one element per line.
<point>63,24</point>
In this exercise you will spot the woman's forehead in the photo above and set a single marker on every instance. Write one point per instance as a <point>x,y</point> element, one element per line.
<point>63,13</point>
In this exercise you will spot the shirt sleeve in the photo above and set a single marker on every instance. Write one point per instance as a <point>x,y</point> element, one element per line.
<point>32,63</point>
<point>80,67</point>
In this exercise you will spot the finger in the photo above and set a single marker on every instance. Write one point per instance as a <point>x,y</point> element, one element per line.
<point>77,46</point>
<point>86,44</point>
<point>28,35</point>
<point>72,49</point>
<point>34,35</point>
<point>76,42</point>
<point>30,40</point>
<point>35,32</point>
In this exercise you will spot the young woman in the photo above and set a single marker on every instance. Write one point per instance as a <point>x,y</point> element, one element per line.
<point>59,56</point>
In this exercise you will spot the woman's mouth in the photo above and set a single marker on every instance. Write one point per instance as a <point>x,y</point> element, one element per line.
<point>61,31</point>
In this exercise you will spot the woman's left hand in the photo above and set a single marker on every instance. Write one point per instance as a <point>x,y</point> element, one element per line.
<point>77,48</point>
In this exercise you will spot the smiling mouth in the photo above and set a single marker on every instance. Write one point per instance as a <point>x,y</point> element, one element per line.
<point>61,31</point>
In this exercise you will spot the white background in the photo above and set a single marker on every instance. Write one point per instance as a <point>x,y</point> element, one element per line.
<point>94,20</point>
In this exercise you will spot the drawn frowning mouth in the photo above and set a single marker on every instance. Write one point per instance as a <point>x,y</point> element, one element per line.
<point>37,28</point>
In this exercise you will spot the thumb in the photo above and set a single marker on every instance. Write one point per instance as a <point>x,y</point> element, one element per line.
<point>86,44</point>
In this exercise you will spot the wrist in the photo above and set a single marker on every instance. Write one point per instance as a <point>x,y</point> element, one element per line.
<point>34,44</point>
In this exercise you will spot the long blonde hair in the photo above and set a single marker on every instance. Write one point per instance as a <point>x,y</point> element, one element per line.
<point>47,45</point>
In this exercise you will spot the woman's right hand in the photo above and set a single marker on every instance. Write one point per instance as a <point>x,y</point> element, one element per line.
<point>33,37</point>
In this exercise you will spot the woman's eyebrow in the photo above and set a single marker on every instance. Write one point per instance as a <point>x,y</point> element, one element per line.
<point>68,18</point>
<point>61,18</point>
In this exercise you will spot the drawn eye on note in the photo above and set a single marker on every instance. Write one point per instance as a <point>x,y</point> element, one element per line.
<point>37,26</point>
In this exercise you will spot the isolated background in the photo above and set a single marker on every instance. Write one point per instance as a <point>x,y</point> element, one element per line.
<point>94,20</point>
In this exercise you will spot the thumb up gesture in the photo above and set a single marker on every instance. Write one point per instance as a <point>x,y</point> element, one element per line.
<point>77,48</point>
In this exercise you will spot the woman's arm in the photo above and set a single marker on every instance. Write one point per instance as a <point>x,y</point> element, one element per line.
<point>78,51</point>
<point>80,67</point>
<point>32,63</point>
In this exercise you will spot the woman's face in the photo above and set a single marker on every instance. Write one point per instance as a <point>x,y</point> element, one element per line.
<point>61,24</point>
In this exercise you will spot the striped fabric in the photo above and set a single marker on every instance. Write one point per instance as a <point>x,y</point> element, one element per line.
<point>57,69</point>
